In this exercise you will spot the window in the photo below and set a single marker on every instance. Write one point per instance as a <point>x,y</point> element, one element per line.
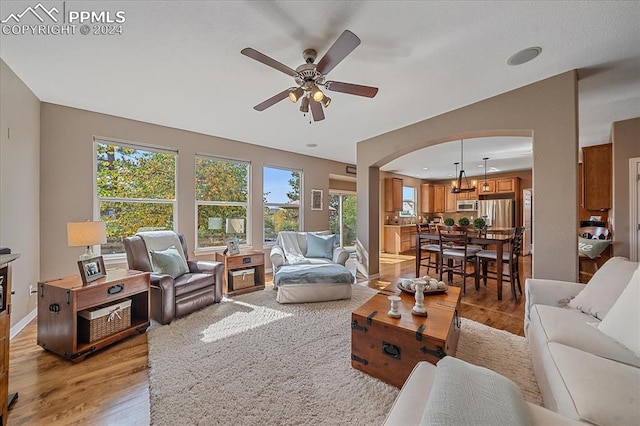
<point>408,201</point>
<point>281,194</point>
<point>136,190</point>
<point>222,194</point>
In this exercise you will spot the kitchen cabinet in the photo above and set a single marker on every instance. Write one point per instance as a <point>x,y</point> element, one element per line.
<point>500,186</point>
<point>427,198</point>
<point>505,185</point>
<point>450,205</point>
<point>399,238</point>
<point>392,194</point>
<point>439,198</point>
<point>597,177</point>
<point>473,195</point>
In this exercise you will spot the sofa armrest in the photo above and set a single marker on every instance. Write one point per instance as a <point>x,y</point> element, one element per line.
<point>547,292</point>
<point>340,255</point>
<point>208,267</point>
<point>163,307</point>
<point>277,257</point>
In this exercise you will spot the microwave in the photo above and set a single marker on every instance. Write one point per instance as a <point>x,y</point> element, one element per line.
<point>467,205</point>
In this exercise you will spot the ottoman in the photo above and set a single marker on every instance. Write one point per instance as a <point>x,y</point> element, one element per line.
<point>312,283</point>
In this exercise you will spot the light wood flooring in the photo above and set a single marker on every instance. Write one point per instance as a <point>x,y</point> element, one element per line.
<point>111,387</point>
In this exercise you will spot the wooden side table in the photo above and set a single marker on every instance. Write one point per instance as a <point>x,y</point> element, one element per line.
<point>238,262</point>
<point>59,302</point>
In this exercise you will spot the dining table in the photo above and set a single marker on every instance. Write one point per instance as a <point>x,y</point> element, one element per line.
<point>498,239</point>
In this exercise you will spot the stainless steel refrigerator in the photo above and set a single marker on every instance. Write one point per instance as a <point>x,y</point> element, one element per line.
<point>497,213</point>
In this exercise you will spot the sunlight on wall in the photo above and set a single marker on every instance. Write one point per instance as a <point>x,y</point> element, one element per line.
<point>240,322</point>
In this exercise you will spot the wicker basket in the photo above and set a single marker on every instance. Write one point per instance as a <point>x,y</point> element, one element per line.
<point>243,278</point>
<point>101,321</point>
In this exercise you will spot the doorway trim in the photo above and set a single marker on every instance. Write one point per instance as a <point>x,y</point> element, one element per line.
<point>634,183</point>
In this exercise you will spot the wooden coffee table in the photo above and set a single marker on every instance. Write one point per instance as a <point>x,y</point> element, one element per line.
<point>389,348</point>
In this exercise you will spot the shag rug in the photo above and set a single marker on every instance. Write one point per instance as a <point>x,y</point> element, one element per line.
<point>252,361</point>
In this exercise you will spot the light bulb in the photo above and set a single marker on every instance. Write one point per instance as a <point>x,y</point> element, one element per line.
<point>317,94</point>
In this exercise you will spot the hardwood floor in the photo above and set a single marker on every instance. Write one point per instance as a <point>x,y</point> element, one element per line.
<point>112,386</point>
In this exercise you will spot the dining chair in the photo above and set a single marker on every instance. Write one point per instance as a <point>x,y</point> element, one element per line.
<point>510,258</point>
<point>429,252</point>
<point>455,255</point>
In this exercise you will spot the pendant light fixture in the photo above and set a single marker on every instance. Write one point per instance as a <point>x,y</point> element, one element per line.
<point>459,185</point>
<point>485,185</point>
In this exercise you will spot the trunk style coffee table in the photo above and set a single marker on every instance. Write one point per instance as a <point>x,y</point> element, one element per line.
<point>388,348</point>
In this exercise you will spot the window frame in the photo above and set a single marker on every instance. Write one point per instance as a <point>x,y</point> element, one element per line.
<point>413,201</point>
<point>117,257</point>
<point>299,206</point>
<point>247,204</point>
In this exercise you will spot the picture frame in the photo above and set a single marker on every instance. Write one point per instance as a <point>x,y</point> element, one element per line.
<point>316,199</point>
<point>233,245</point>
<point>91,269</point>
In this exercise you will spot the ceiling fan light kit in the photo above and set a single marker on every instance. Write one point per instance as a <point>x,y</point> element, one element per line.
<point>310,76</point>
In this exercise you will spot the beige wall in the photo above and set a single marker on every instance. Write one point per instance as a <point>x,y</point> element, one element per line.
<point>67,176</point>
<point>546,111</point>
<point>20,187</point>
<point>625,136</point>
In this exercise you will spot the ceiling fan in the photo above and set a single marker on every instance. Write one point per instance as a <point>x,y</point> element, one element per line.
<point>309,76</point>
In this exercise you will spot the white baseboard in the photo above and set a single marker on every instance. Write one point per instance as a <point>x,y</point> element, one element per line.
<point>22,323</point>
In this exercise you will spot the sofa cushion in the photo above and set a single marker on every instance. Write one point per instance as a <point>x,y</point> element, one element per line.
<point>464,394</point>
<point>604,287</point>
<point>320,245</point>
<point>571,328</point>
<point>604,392</point>
<point>622,322</point>
<point>168,262</point>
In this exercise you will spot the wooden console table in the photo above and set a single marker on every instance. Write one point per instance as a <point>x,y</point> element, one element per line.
<point>6,399</point>
<point>237,262</point>
<point>59,302</point>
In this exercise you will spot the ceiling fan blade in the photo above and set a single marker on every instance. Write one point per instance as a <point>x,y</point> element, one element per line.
<point>336,53</point>
<point>254,54</point>
<point>352,89</point>
<point>316,110</point>
<point>272,100</point>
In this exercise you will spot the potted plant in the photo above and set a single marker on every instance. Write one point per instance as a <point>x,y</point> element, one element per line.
<point>449,221</point>
<point>463,221</point>
<point>479,223</point>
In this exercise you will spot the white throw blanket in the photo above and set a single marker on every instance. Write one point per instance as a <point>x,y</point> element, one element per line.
<point>162,240</point>
<point>288,240</point>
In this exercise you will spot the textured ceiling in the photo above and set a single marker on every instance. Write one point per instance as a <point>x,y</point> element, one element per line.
<point>178,64</point>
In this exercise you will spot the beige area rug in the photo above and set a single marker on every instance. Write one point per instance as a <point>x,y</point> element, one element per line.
<point>251,361</point>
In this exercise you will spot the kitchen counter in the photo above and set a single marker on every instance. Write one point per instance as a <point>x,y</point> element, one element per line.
<point>399,238</point>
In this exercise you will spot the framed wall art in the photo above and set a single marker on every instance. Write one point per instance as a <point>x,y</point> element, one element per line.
<point>316,199</point>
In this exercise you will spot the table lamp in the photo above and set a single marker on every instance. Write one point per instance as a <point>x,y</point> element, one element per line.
<point>86,234</point>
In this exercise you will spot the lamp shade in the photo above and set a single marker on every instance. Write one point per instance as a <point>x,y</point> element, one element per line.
<point>86,233</point>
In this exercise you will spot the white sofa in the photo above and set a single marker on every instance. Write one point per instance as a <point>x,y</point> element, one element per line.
<point>309,267</point>
<point>411,403</point>
<point>582,372</point>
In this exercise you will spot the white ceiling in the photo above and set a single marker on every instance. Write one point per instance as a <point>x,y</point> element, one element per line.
<point>178,64</point>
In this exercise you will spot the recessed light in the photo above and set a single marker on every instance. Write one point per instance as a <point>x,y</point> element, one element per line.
<point>425,168</point>
<point>481,165</point>
<point>524,56</point>
<point>312,145</point>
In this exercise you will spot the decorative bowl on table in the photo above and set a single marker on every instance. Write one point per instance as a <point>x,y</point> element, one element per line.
<point>433,286</point>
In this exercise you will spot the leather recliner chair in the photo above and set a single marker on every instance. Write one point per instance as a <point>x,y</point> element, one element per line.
<point>172,298</point>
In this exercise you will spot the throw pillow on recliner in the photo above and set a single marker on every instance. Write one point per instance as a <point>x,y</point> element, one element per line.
<point>320,245</point>
<point>168,262</point>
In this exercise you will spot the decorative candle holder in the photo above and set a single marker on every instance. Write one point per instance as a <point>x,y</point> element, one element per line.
<point>394,312</point>
<point>418,308</point>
